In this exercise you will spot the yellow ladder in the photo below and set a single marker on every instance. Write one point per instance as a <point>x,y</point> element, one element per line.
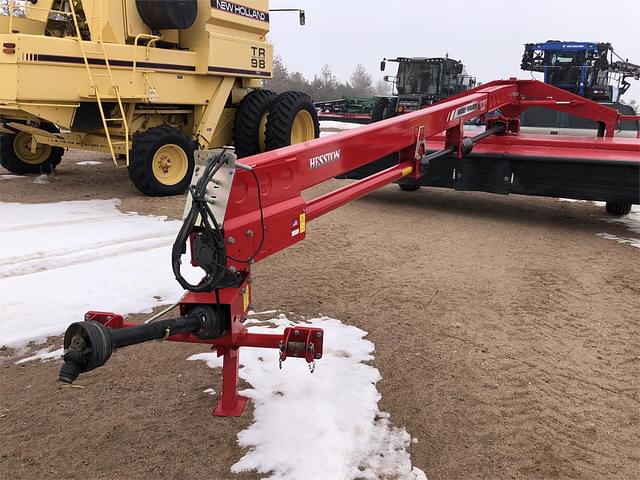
<point>96,90</point>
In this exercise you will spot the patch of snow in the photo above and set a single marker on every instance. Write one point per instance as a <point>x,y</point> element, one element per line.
<point>10,177</point>
<point>330,419</point>
<point>89,162</point>
<point>42,179</point>
<point>631,221</point>
<point>634,242</point>
<point>59,260</point>
<point>338,125</point>
<point>209,391</point>
<point>43,355</point>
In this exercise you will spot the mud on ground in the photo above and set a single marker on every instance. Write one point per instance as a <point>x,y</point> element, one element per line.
<point>506,332</point>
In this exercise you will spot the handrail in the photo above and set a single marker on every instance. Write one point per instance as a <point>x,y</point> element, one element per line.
<point>152,39</point>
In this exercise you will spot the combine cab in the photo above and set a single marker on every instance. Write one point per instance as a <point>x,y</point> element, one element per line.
<point>423,81</point>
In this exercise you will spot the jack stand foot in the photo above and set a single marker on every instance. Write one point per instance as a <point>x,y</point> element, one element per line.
<point>222,410</point>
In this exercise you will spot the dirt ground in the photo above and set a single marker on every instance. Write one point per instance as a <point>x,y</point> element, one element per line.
<point>506,333</point>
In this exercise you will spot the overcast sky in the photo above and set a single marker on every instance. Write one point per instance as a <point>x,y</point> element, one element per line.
<point>488,36</point>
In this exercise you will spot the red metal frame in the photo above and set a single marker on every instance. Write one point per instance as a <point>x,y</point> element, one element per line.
<point>284,174</point>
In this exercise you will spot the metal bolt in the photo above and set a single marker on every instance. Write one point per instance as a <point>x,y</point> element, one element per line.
<point>506,179</point>
<point>233,269</point>
<point>249,233</point>
<point>231,240</point>
<point>318,334</point>
<point>296,332</point>
<point>317,355</point>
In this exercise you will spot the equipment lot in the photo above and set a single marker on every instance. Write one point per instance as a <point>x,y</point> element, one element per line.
<point>506,333</point>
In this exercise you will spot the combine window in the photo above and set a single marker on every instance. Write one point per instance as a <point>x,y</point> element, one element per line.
<point>416,78</point>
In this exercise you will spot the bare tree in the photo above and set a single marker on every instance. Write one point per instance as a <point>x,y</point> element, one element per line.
<point>324,86</point>
<point>382,87</point>
<point>280,76</point>
<point>361,81</point>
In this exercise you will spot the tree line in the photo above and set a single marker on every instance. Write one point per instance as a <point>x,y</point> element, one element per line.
<point>325,85</point>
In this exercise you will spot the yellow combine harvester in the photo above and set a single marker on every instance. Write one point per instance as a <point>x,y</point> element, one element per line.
<point>147,81</point>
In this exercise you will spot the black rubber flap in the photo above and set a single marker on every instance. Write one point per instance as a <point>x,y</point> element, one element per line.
<point>168,14</point>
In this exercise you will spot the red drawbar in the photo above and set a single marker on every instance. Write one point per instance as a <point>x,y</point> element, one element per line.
<point>285,173</point>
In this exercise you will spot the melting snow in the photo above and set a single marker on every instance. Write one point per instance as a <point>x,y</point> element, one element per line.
<point>338,125</point>
<point>330,418</point>
<point>632,222</point>
<point>42,179</point>
<point>89,162</point>
<point>43,355</point>
<point>60,260</point>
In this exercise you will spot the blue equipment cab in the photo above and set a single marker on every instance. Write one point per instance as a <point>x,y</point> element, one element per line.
<point>589,69</point>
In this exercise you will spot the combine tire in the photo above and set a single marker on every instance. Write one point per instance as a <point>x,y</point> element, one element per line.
<point>377,113</point>
<point>292,119</point>
<point>251,122</point>
<point>409,187</point>
<point>17,157</point>
<point>161,161</point>
<point>618,208</point>
<point>390,111</point>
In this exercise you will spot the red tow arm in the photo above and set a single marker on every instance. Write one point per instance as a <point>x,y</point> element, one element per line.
<point>284,174</point>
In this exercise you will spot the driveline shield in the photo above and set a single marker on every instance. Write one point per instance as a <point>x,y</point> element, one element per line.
<point>168,14</point>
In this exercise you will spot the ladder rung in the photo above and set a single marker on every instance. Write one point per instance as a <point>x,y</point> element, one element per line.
<point>114,119</point>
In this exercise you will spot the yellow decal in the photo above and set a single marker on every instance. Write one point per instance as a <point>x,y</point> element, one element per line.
<point>246,299</point>
<point>303,223</point>
<point>407,171</point>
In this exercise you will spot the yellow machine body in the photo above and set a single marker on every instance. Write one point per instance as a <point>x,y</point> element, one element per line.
<point>95,69</point>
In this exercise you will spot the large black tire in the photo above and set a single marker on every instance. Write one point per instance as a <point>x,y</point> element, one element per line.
<point>250,122</point>
<point>409,187</point>
<point>292,119</point>
<point>16,156</point>
<point>618,208</point>
<point>161,161</point>
<point>390,111</point>
<point>377,112</point>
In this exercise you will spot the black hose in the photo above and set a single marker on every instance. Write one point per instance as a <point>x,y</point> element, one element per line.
<point>208,239</point>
